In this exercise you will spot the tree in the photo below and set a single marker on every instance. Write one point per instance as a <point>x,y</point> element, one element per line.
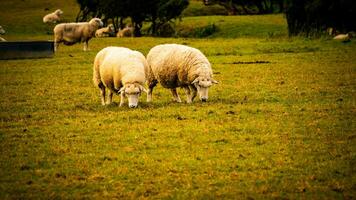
<point>311,17</point>
<point>87,7</point>
<point>158,12</point>
<point>234,7</point>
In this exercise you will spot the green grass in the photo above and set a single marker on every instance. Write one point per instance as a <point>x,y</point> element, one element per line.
<point>279,125</point>
<point>197,8</point>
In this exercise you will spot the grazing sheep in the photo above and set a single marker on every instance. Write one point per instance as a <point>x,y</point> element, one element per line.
<point>175,65</point>
<point>71,33</point>
<point>343,37</point>
<point>122,71</point>
<point>53,17</point>
<point>105,32</point>
<point>126,32</point>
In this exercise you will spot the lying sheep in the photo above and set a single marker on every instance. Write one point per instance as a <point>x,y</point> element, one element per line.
<point>121,71</point>
<point>126,32</point>
<point>105,32</point>
<point>71,33</point>
<point>343,37</point>
<point>53,17</point>
<point>175,65</point>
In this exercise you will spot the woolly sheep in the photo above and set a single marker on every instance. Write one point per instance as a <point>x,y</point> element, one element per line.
<point>122,71</point>
<point>343,37</point>
<point>105,32</point>
<point>126,32</point>
<point>174,65</point>
<point>71,33</point>
<point>53,17</point>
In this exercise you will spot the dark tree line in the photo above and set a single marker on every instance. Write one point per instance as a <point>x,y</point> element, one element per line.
<point>235,7</point>
<point>158,12</point>
<point>310,17</point>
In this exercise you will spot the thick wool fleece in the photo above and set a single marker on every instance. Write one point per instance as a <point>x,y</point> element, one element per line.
<point>175,65</point>
<point>117,66</point>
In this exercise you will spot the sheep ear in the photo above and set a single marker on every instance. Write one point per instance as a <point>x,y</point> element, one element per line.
<point>121,90</point>
<point>195,81</point>
<point>143,88</point>
<point>214,81</point>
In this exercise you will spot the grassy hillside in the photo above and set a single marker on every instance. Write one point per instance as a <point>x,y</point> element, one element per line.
<point>28,25</point>
<point>279,125</point>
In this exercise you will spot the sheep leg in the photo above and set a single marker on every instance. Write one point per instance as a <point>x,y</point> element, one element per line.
<point>175,95</point>
<point>109,100</point>
<point>187,92</point>
<point>85,46</point>
<point>102,91</point>
<point>194,92</point>
<point>151,85</point>
<point>122,100</point>
<point>56,44</point>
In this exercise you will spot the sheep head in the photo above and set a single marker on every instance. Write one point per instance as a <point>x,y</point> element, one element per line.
<point>59,12</point>
<point>96,22</point>
<point>202,84</point>
<point>132,91</point>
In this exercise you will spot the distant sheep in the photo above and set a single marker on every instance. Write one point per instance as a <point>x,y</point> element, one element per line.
<point>126,32</point>
<point>71,33</point>
<point>343,37</point>
<point>122,71</point>
<point>174,65</point>
<point>105,32</point>
<point>53,17</point>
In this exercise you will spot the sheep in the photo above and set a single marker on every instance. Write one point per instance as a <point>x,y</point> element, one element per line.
<point>174,65</point>
<point>122,71</point>
<point>53,17</point>
<point>105,32</point>
<point>343,37</point>
<point>71,33</point>
<point>126,32</point>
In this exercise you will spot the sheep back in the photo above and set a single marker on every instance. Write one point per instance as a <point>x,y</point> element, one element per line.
<point>176,65</point>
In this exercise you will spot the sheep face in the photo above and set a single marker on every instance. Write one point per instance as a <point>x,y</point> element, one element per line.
<point>202,84</point>
<point>59,12</point>
<point>132,92</point>
<point>96,21</point>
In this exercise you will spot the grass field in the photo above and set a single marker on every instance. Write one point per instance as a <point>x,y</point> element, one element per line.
<point>279,125</point>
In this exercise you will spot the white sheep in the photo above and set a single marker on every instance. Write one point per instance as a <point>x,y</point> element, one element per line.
<point>71,33</point>
<point>126,32</point>
<point>53,17</point>
<point>174,65</point>
<point>343,37</point>
<point>105,32</point>
<point>122,71</point>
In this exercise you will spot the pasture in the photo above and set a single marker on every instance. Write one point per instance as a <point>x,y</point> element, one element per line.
<point>279,125</point>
